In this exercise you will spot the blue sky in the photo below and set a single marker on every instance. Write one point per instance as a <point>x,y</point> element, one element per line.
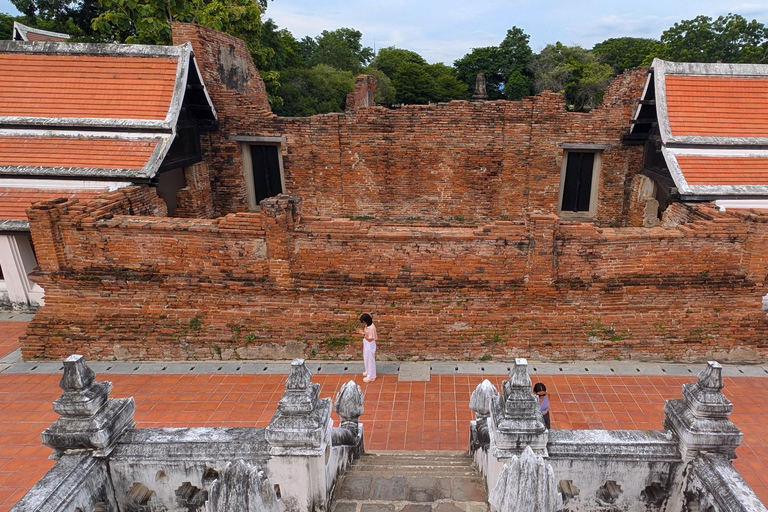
<point>445,30</point>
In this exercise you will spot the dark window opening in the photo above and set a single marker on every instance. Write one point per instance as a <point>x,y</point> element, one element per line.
<point>577,187</point>
<point>265,162</point>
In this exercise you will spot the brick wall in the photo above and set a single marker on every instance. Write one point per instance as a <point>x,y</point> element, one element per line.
<point>483,160</point>
<point>274,284</point>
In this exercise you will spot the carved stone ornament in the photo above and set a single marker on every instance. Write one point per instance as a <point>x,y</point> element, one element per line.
<point>90,420</point>
<point>700,418</point>
<point>526,484</point>
<point>480,88</point>
<point>349,407</point>
<point>516,420</point>
<point>481,402</point>
<point>302,422</point>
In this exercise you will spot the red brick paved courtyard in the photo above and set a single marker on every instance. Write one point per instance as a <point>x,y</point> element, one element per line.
<point>430,415</point>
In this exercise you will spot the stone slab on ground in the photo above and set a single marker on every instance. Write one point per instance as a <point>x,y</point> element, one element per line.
<point>414,372</point>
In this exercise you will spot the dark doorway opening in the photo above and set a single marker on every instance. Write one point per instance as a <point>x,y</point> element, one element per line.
<point>577,189</point>
<point>265,161</point>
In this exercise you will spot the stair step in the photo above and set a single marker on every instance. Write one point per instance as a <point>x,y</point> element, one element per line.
<point>411,482</point>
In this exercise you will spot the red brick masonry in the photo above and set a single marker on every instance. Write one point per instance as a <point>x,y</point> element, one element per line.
<point>273,285</point>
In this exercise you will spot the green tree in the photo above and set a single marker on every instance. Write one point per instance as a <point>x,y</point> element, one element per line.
<point>6,26</point>
<point>390,59</point>
<point>69,17</point>
<point>149,21</point>
<point>627,52</point>
<point>340,48</point>
<point>416,81</point>
<point>729,38</point>
<point>285,51</point>
<point>316,90</point>
<point>508,62</point>
<point>575,72</point>
<point>446,86</point>
<point>413,84</point>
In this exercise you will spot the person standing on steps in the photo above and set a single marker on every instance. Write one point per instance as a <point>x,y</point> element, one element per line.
<point>369,347</point>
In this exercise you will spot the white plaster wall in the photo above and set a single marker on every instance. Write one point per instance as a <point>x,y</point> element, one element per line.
<point>18,260</point>
<point>632,476</point>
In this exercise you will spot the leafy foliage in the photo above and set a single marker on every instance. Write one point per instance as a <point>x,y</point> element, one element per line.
<point>508,62</point>
<point>316,90</point>
<point>340,48</point>
<point>417,82</point>
<point>729,38</point>
<point>6,26</point>
<point>69,17</point>
<point>575,72</point>
<point>149,21</point>
<point>627,52</point>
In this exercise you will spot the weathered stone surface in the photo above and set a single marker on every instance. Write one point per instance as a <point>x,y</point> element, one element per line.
<point>447,507</point>
<point>377,507</point>
<point>715,483</point>
<point>241,486</point>
<point>344,506</point>
<point>302,420</point>
<point>526,484</point>
<point>349,407</point>
<point>468,489</point>
<point>389,488</point>
<point>516,420</point>
<point>411,507</point>
<point>439,487</point>
<point>89,419</point>
<point>355,488</point>
<point>75,481</point>
<point>700,418</point>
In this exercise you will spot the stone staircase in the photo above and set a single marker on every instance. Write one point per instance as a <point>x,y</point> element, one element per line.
<point>428,481</point>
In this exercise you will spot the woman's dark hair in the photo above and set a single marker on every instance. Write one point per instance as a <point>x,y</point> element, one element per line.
<point>539,386</point>
<point>366,319</point>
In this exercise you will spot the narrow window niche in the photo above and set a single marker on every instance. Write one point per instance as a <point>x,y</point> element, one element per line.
<point>579,180</point>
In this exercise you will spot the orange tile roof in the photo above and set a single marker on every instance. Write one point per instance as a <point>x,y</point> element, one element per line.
<point>717,106</point>
<point>15,201</point>
<point>92,152</point>
<point>718,170</point>
<point>87,86</point>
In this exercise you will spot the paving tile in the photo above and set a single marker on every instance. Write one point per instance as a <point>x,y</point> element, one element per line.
<point>355,488</point>
<point>377,507</point>
<point>412,507</point>
<point>389,489</point>
<point>433,414</point>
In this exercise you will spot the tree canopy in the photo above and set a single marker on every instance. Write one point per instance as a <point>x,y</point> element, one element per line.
<point>575,72</point>
<point>623,53</point>
<point>729,38</point>
<point>340,48</point>
<point>506,67</point>
<point>69,17</point>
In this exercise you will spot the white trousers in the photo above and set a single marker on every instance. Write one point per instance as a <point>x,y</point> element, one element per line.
<point>369,358</point>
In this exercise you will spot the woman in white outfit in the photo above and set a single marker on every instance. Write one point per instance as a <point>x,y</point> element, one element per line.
<point>369,347</point>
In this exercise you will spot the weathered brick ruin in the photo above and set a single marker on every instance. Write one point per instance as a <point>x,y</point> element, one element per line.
<point>441,220</point>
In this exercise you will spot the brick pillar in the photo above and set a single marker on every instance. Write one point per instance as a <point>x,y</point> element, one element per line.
<point>44,226</point>
<point>281,213</point>
<point>194,200</point>
<point>757,248</point>
<point>362,94</point>
<point>541,265</point>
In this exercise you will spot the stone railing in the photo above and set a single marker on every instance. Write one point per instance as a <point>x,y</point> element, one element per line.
<point>106,464</point>
<point>687,466</point>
